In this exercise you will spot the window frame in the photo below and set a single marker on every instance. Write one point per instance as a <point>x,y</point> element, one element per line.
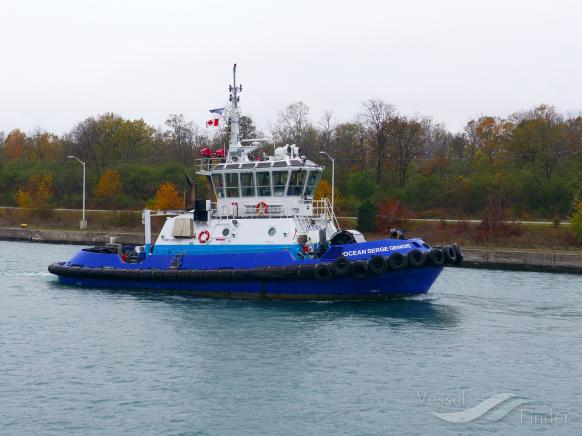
<point>253,185</point>
<point>259,187</point>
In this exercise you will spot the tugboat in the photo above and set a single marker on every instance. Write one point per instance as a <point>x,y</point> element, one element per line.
<point>265,237</point>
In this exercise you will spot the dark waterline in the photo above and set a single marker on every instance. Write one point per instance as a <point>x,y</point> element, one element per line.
<point>80,361</point>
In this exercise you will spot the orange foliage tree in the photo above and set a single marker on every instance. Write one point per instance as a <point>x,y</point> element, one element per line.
<point>35,198</point>
<point>324,190</point>
<point>109,187</point>
<point>391,213</point>
<point>14,145</point>
<point>167,198</point>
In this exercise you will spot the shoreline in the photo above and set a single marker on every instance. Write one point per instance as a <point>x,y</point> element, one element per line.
<point>483,258</point>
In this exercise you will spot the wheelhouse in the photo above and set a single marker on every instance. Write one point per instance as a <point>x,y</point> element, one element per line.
<point>265,179</point>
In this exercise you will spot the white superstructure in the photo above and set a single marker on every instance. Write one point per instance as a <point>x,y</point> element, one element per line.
<point>261,204</point>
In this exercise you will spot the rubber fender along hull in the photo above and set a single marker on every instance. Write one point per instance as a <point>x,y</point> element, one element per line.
<point>392,284</point>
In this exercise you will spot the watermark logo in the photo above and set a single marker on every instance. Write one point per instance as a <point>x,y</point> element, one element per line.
<point>494,408</point>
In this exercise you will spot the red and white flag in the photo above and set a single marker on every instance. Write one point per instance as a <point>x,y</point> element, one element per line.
<point>213,122</point>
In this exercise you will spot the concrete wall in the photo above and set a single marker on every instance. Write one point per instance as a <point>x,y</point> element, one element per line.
<point>522,260</point>
<point>68,236</point>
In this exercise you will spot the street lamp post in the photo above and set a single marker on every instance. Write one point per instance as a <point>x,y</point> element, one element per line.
<point>83,224</point>
<point>332,178</point>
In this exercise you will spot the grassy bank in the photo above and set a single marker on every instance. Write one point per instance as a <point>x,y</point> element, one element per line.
<point>480,235</point>
<point>127,221</point>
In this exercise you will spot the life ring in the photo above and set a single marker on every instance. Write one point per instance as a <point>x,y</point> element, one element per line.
<point>262,208</point>
<point>204,236</point>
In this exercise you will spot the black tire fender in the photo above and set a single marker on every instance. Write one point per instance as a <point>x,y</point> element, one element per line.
<point>158,274</point>
<point>416,258</point>
<point>450,254</point>
<point>341,266</point>
<point>225,274</point>
<point>145,274</point>
<point>289,271</point>
<point>306,270</point>
<point>171,274</point>
<point>211,274</point>
<point>436,257</point>
<point>459,254</point>
<point>377,264</point>
<point>397,261</point>
<point>322,272</point>
<point>197,274</point>
<point>360,269</point>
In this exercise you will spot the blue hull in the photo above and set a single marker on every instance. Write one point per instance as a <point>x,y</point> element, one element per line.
<point>278,274</point>
<point>393,284</point>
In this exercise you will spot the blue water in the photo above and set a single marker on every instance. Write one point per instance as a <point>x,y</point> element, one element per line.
<point>80,361</point>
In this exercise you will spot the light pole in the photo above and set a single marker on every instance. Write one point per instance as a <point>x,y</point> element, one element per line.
<point>332,178</point>
<point>83,224</point>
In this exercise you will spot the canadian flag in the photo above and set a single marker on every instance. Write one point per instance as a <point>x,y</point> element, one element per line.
<point>211,123</point>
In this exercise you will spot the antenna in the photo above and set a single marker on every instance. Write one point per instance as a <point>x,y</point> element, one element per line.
<point>234,115</point>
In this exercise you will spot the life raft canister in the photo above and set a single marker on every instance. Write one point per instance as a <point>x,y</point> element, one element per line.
<point>262,208</point>
<point>204,236</point>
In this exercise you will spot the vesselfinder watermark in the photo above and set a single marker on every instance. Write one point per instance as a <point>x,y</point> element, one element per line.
<point>458,408</point>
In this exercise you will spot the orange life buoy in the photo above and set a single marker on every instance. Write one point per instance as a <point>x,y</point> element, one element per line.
<point>204,236</point>
<point>262,208</point>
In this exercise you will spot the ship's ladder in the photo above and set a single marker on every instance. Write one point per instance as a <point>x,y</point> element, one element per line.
<point>302,223</point>
<point>176,262</point>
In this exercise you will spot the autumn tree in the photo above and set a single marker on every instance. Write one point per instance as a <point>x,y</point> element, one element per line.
<point>109,188</point>
<point>109,137</point>
<point>488,136</point>
<point>327,129</point>
<point>35,197</point>
<point>14,145</point>
<point>539,140</point>
<point>247,128</point>
<point>324,191</point>
<point>392,213</point>
<point>294,127</point>
<point>180,135</point>
<point>376,117</point>
<point>167,198</point>
<point>407,138</point>
<point>43,145</point>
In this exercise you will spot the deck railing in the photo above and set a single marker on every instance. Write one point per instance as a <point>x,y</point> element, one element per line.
<point>207,163</point>
<point>322,208</point>
<point>318,209</point>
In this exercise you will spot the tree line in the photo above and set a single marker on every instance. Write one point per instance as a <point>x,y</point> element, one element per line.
<point>524,165</point>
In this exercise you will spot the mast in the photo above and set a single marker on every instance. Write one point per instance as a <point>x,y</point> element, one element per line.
<point>234,114</point>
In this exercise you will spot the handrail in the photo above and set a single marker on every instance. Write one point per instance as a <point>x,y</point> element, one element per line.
<point>207,163</point>
<point>319,209</point>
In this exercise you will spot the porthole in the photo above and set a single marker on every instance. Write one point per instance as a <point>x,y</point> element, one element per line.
<point>272,231</point>
<point>225,232</point>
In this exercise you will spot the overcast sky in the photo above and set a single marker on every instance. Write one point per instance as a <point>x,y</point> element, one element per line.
<point>65,60</point>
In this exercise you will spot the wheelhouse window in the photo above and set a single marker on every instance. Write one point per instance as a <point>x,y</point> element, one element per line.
<point>264,183</point>
<point>296,182</point>
<point>218,183</point>
<point>279,182</point>
<point>312,182</point>
<point>247,184</point>
<point>231,185</point>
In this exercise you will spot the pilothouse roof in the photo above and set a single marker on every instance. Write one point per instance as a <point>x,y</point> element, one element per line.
<point>294,163</point>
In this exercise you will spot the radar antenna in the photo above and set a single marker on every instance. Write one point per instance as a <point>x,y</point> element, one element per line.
<point>234,114</point>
